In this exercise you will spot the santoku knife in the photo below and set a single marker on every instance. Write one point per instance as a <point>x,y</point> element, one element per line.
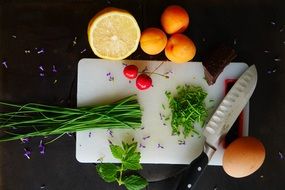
<point>219,124</point>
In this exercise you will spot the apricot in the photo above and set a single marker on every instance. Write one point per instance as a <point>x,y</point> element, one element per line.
<point>174,19</point>
<point>153,41</point>
<point>180,48</point>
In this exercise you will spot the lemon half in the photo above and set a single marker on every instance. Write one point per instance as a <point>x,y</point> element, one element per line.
<point>113,34</point>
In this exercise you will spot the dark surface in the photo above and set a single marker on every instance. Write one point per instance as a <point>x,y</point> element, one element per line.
<point>251,27</point>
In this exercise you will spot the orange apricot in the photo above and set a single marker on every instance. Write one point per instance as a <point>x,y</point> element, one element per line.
<point>174,19</point>
<point>180,48</point>
<point>153,41</point>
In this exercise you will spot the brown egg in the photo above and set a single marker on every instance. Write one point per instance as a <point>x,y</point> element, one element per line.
<point>243,157</point>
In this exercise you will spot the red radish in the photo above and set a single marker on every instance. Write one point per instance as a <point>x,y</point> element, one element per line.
<point>131,71</point>
<point>143,82</point>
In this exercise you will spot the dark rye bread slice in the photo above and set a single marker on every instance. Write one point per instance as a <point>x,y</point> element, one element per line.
<point>216,62</point>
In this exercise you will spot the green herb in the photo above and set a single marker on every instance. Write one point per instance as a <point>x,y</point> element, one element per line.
<point>130,160</point>
<point>187,108</point>
<point>42,120</point>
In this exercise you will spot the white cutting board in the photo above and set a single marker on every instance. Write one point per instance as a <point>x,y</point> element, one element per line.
<point>102,81</point>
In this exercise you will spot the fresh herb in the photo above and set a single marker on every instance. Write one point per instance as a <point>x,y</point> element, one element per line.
<point>187,108</point>
<point>32,119</point>
<point>130,160</point>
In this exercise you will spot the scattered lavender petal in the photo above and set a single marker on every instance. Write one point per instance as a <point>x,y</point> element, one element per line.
<point>160,115</point>
<point>43,186</point>
<point>5,64</point>
<point>27,51</point>
<point>108,74</point>
<point>89,135</point>
<point>159,146</point>
<point>147,137</point>
<point>74,42</point>
<point>281,156</point>
<point>84,50</point>
<point>42,147</point>
<point>181,142</point>
<point>27,153</point>
<point>141,146</point>
<point>277,59</point>
<point>110,132</point>
<point>42,74</point>
<point>14,36</point>
<point>25,140</point>
<point>110,142</point>
<point>41,51</point>
<point>41,68</point>
<point>266,51</point>
<point>272,23</point>
<point>54,69</point>
<point>111,78</point>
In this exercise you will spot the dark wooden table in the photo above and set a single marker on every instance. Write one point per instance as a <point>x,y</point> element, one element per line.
<point>41,33</point>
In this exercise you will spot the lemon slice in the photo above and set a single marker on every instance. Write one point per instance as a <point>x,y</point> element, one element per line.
<point>113,34</point>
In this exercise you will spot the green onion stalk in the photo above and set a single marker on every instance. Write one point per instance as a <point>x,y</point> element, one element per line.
<point>35,120</point>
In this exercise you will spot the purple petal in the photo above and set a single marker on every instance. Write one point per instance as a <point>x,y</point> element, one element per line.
<point>27,153</point>
<point>41,68</point>
<point>281,156</point>
<point>74,42</point>
<point>159,146</point>
<point>147,137</point>
<point>83,51</point>
<point>25,140</point>
<point>54,69</point>
<point>42,148</point>
<point>41,51</point>
<point>5,64</point>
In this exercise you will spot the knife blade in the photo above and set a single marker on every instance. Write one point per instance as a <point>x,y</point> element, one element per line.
<point>219,125</point>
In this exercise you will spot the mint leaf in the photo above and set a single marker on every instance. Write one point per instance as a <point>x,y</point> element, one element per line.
<point>135,182</point>
<point>117,151</point>
<point>108,172</point>
<point>132,162</point>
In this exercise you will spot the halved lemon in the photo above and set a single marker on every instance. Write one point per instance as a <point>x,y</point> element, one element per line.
<point>113,34</point>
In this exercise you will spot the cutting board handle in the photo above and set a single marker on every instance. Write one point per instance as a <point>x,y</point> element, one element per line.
<point>193,172</point>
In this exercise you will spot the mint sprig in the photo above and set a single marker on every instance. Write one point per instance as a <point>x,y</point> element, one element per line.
<point>130,160</point>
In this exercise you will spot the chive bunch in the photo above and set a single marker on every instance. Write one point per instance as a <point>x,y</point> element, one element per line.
<point>187,107</point>
<point>32,119</point>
